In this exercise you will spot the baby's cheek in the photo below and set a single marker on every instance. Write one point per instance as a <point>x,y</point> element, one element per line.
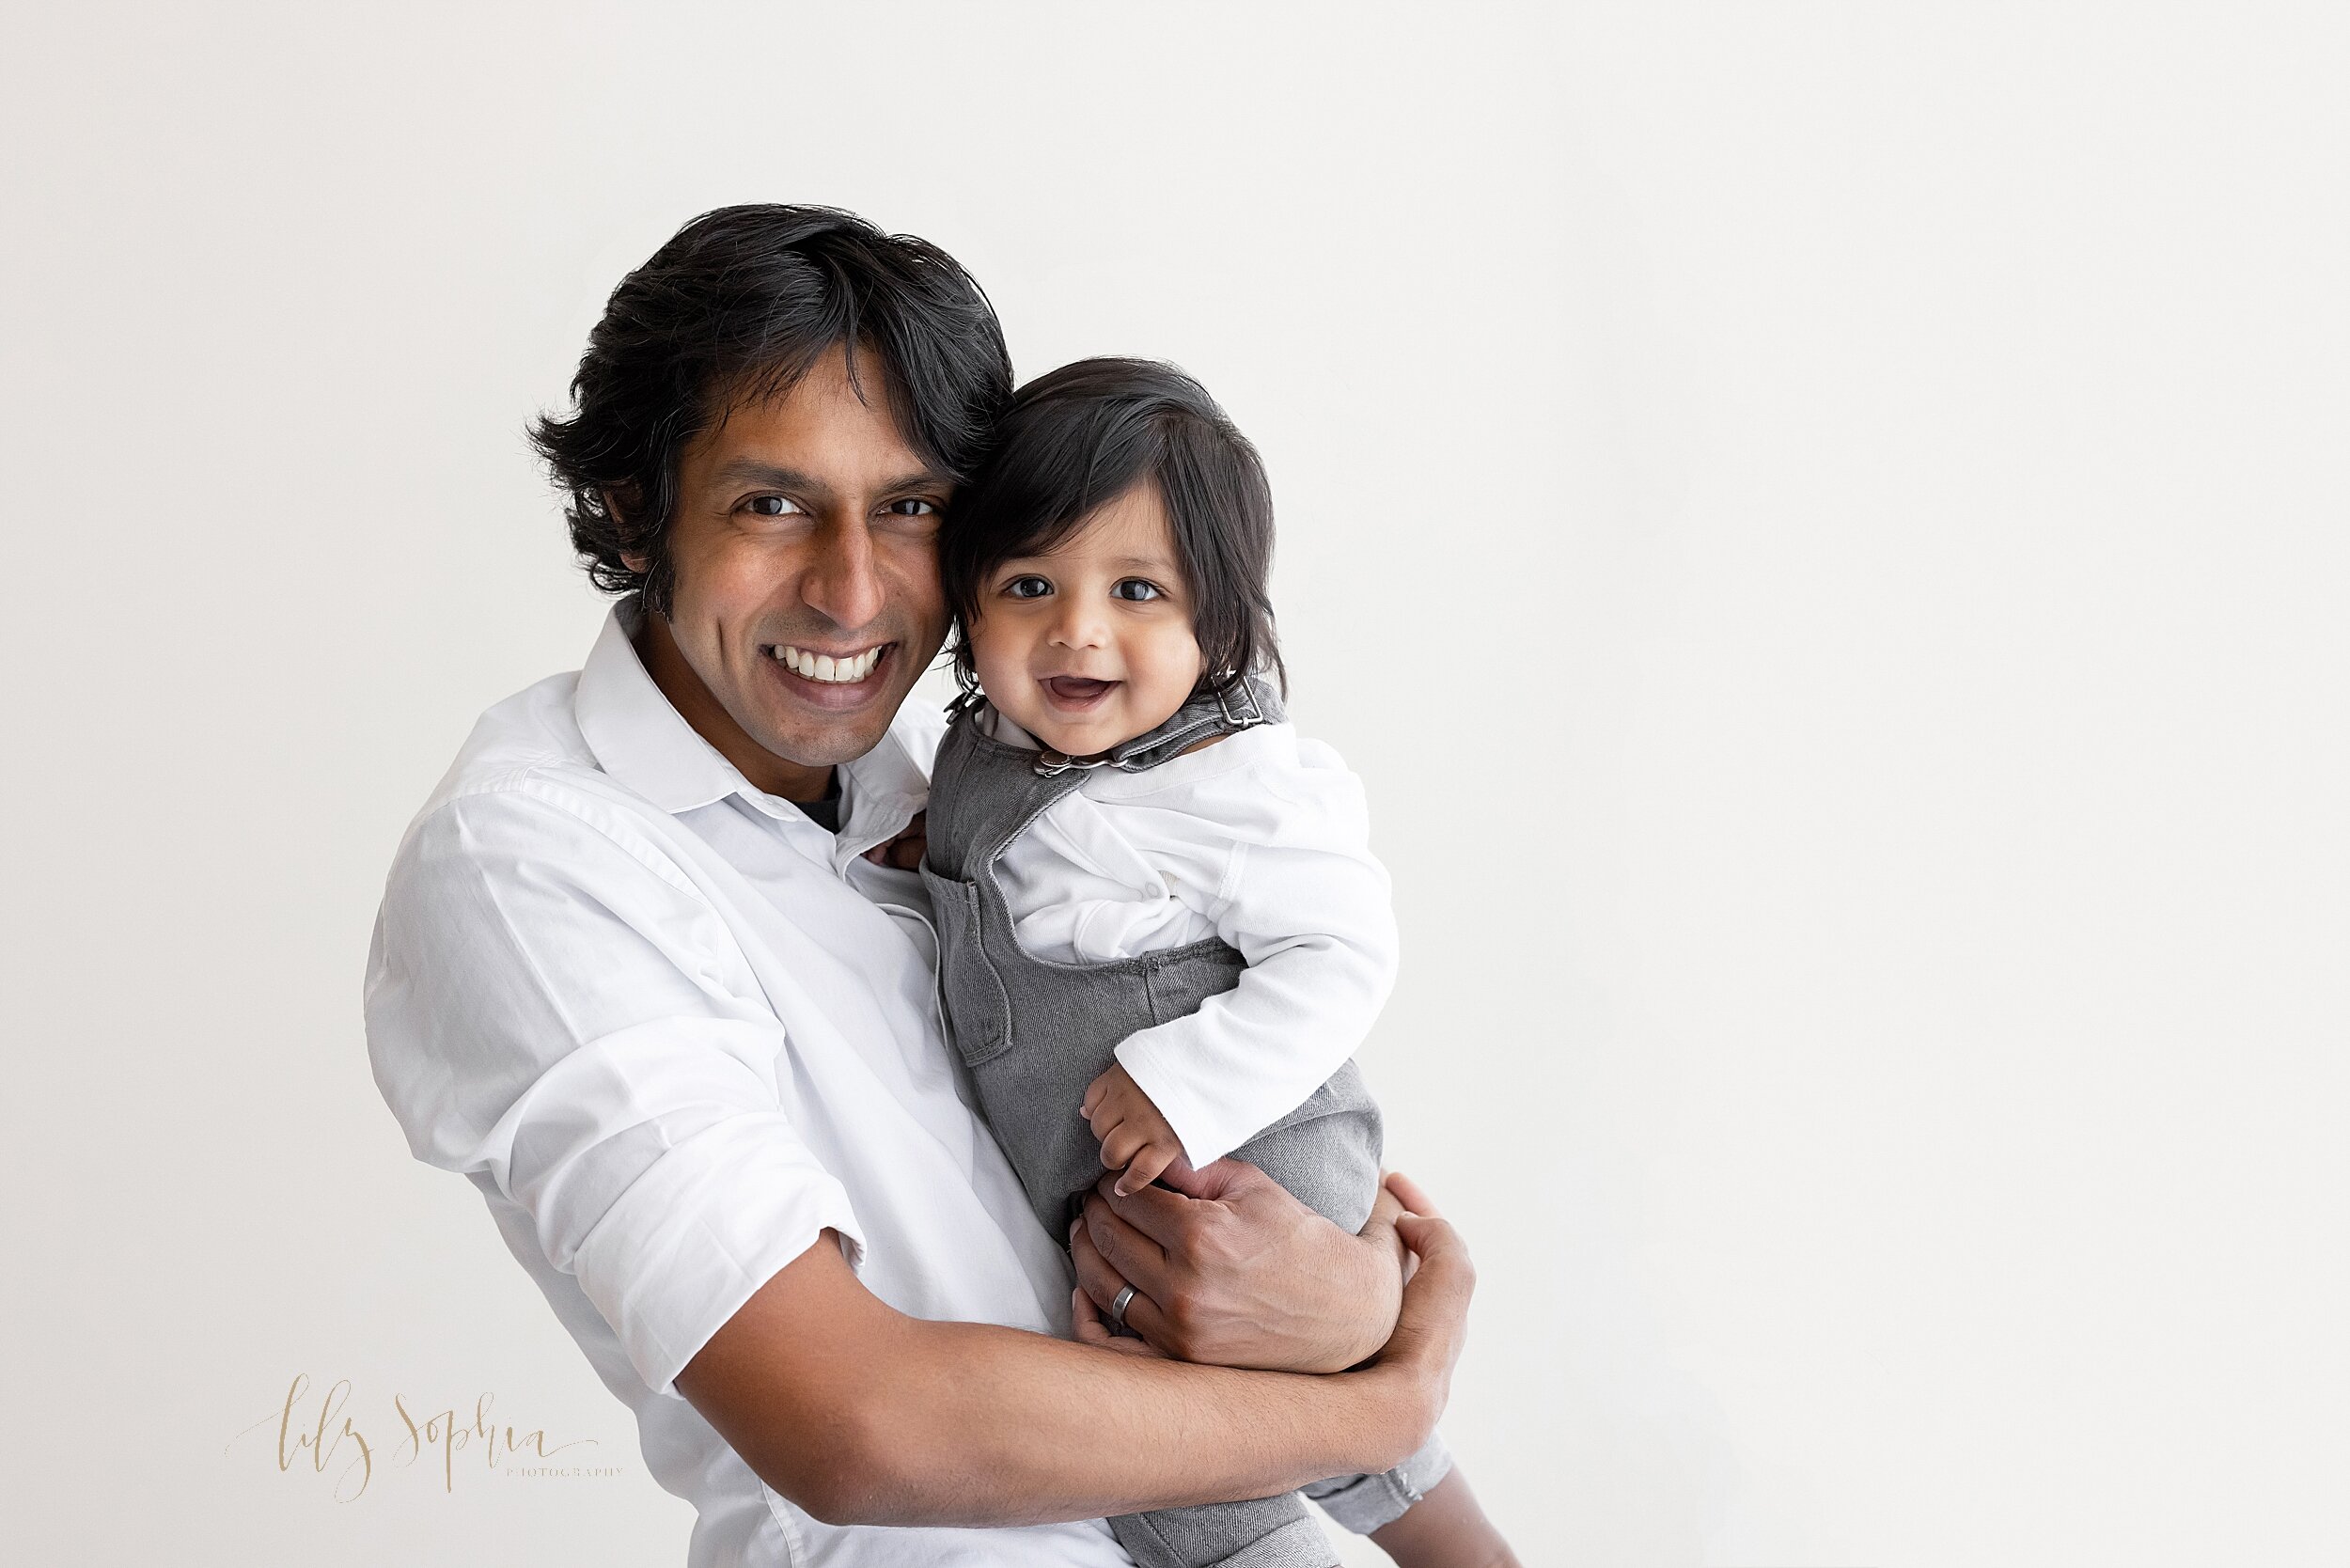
<point>996,655</point>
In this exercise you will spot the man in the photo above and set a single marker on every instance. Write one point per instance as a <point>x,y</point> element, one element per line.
<point>652,970</point>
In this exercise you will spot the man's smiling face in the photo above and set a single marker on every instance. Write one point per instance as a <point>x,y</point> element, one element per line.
<point>806,599</point>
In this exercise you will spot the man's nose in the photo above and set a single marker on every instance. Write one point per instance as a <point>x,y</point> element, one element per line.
<point>843,583</point>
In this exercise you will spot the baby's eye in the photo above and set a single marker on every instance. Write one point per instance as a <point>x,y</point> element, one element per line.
<point>1135,589</point>
<point>771,506</point>
<point>1027,588</point>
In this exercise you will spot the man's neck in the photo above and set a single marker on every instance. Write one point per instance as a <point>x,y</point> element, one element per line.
<point>667,664</point>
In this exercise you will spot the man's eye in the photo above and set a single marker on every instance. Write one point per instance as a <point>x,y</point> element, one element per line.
<point>771,506</point>
<point>1135,589</point>
<point>913,506</point>
<point>1027,588</point>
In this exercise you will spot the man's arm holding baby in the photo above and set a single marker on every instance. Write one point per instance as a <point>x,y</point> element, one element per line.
<point>549,1015</point>
<point>860,1413</point>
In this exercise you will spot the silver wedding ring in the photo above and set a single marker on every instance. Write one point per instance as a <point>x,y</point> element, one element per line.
<point>1118,1307</point>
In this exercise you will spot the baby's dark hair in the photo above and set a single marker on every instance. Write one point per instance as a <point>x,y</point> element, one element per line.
<point>1077,439</point>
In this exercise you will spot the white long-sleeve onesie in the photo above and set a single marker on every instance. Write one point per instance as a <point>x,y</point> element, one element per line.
<point>1262,840</point>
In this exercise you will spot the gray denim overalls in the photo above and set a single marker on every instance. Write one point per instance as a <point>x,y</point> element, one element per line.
<point>1036,1033</point>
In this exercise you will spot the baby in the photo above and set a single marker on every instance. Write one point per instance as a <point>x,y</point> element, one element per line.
<point>1162,930</point>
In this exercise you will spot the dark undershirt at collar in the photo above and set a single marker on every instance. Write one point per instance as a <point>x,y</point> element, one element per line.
<point>824,813</point>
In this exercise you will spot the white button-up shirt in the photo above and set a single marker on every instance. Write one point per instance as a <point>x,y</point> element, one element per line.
<point>672,1029</point>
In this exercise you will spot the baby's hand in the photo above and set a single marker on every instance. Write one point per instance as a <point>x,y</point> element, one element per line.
<point>1135,1136</point>
<point>905,850</point>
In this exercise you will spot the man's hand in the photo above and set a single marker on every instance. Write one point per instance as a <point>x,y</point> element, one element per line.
<point>1092,1328</point>
<point>1134,1135</point>
<point>1432,1324</point>
<point>1232,1270</point>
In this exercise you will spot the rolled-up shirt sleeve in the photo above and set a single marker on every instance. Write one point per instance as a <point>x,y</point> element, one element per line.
<point>550,1001</point>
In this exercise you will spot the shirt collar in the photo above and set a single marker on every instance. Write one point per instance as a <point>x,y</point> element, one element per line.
<point>646,744</point>
<point>637,737</point>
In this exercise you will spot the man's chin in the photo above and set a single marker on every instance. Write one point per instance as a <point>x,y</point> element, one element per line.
<point>824,738</point>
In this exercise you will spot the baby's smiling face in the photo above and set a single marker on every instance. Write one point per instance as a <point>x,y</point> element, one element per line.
<point>1092,644</point>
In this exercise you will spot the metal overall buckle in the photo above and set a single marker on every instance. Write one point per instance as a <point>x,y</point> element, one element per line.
<point>1051,764</point>
<point>1250,714</point>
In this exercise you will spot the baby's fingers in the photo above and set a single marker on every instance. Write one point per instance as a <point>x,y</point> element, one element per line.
<point>1144,1168</point>
<point>1100,1105</point>
<point>1124,1142</point>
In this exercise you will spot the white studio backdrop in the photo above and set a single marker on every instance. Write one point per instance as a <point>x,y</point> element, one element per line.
<point>1822,527</point>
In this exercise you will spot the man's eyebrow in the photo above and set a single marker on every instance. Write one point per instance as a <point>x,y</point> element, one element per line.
<point>775,475</point>
<point>752,471</point>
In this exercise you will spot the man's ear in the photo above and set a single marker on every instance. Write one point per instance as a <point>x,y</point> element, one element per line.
<point>636,561</point>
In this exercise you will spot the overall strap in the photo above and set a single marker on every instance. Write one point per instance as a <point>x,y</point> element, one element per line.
<point>983,794</point>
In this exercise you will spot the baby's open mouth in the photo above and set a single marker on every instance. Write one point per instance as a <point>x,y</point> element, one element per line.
<point>1076,688</point>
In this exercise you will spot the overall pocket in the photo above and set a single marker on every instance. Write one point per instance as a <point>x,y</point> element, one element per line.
<point>971,994</point>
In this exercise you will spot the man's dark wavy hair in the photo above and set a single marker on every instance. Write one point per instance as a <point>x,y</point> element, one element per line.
<point>735,310</point>
<point>1077,438</point>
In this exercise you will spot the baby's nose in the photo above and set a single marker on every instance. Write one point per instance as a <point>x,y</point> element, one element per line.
<point>1078,626</point>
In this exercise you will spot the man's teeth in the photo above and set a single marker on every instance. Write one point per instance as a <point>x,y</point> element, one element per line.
<point>823,667</point>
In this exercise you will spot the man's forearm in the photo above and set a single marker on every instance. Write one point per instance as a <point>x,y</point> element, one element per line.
<point>1016,1428</point>
<point>863,1415</point>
